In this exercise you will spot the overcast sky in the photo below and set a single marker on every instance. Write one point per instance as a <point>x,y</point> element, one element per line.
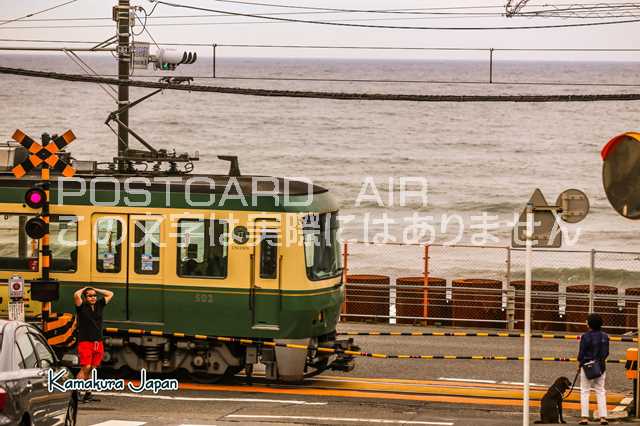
<point>238,30</point>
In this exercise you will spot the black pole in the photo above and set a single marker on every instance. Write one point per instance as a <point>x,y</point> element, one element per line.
<point>124,59</point>
<point>46,217</point>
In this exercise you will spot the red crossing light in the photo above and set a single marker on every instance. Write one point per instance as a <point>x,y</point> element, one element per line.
<point>35,198</point>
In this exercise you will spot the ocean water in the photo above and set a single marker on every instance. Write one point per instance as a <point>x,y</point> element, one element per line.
<point>475,157</point>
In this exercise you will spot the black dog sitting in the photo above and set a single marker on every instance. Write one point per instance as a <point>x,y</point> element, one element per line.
<point>551,403</point>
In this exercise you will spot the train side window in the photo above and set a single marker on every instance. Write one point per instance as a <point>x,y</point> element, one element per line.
<point>202,248</point>
<point>147,247</point>
<point>17,248</point>
<point>269,254</point>
<point>64,243</point>
<point>108,245</point>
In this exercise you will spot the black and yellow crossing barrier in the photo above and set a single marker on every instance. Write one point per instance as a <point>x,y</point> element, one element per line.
<point>242,341</point>
<point>476,334</point>
<point>60,329</point>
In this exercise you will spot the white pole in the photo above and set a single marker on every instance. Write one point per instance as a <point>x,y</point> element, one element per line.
<point>527,317</point>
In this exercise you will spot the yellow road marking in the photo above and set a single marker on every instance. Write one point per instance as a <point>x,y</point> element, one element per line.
<point>370,395</point>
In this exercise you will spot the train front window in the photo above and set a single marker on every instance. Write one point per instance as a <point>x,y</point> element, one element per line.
<point>321,246</point>
<point>202,248</point>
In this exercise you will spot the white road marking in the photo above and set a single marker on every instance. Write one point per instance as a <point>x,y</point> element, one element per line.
<point>453,379</point>
<point>119,423</point>
<point>491,382</point>
<point>520,384</point>
<point>186,398</point>
<point>340,419</point>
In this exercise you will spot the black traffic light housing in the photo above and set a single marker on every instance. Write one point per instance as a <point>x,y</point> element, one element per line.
<point>35,198</point>
<point>45,290</point>
<point>36,228</point>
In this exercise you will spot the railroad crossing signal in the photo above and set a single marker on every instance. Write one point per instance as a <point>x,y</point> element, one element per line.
<point>43,155</point>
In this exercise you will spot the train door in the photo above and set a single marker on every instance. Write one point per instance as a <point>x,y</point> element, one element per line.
<point>145,290</point>
<point>109,260</point>
<point>265,291</point>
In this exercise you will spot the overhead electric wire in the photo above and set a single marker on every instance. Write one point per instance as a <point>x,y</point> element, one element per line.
<point>324,9</point>
<point>350,47</point>
<point>343,24</point>
<point>418,10</point>
<point>38,12</point>
<point>324,95</point>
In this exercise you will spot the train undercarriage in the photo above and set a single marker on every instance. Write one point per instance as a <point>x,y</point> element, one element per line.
<point>206,360</point>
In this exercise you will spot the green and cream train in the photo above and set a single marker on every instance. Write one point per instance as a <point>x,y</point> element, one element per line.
<point>190,255</point>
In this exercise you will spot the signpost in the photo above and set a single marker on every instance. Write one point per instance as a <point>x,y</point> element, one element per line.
<point>538,227</point>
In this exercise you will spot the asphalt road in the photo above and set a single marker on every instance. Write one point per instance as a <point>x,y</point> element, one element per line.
<point>541,372</point>
<point>219,407</point>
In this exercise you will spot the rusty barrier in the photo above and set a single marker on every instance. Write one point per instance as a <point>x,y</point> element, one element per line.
<point>421,297</point>
<point>367,298</point>
<point>544,305</point>
<point>577,302</point>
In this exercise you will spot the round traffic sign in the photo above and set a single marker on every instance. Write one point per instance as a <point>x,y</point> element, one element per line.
<point>574,204</point>
<point>621,174</point>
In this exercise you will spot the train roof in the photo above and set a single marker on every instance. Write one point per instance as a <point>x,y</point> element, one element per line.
<point>263,193</point>
<point>199,182</point>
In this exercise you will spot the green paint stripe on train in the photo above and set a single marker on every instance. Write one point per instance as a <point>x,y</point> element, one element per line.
<point>232,314</point>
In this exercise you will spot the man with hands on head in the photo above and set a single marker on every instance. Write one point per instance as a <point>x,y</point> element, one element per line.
<point>90,349</point>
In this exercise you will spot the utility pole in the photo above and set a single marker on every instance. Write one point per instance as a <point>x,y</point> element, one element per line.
<point>124,62</point>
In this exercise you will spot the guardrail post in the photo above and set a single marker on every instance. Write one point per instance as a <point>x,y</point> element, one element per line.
<point>592,280</point>
<point>425,295</point>
<point>491,65</point>
<point>511,309</point>
<point>214,46</point>
<point>509,295</point>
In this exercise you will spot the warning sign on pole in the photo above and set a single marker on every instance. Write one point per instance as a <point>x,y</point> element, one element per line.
<point>16,295</point>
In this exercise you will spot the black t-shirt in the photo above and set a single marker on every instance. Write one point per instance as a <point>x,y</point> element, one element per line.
<point>90,321</point>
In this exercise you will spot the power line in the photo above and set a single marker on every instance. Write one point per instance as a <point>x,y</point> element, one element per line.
<point>586,11</point>
<point>324,95</point>
<point>342,24</point>
<point>327,9</point>
<point>209,15</point>
<point>38,12</point>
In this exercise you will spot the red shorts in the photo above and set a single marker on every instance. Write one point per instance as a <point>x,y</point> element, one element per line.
<point>90,353</point>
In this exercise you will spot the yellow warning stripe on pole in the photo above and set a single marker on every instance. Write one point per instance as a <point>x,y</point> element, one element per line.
<point>244,341</point>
